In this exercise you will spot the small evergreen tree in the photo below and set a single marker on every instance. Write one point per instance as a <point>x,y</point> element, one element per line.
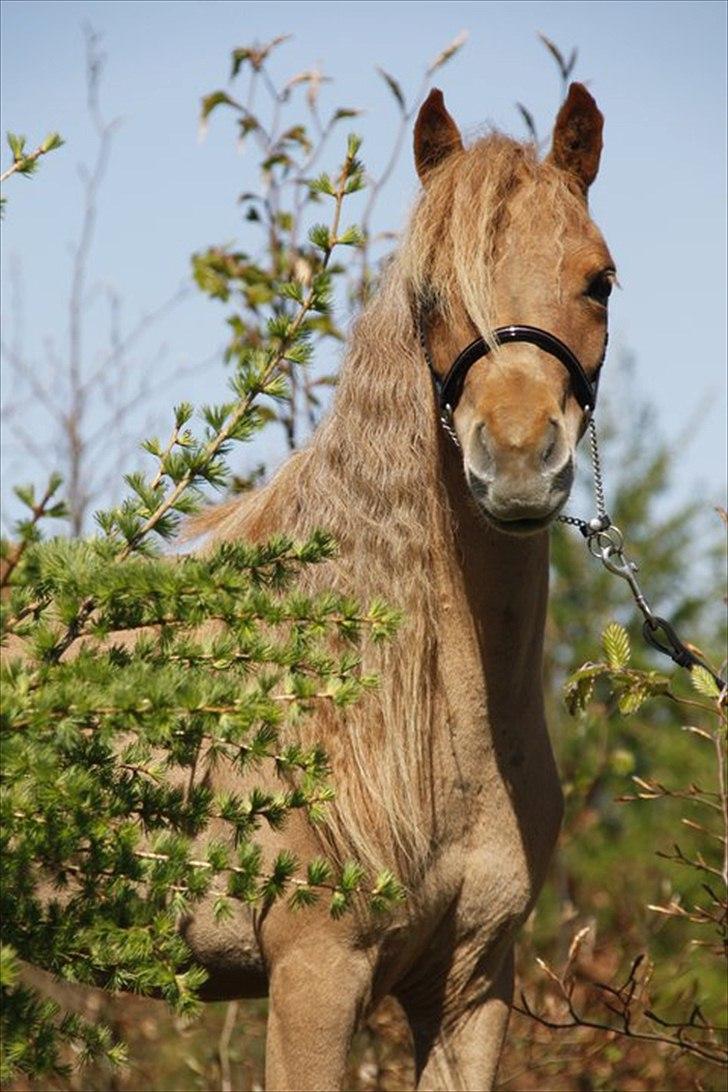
<point>106,738</point>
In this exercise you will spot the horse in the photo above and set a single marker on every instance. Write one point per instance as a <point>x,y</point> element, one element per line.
<point>445,774</point>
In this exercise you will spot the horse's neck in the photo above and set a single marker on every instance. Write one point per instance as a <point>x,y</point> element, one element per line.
<point>497,599</point>
<point>490,747</point>
<point>504,577</point>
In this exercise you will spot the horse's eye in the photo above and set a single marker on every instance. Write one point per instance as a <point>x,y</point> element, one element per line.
<point>600,287</point>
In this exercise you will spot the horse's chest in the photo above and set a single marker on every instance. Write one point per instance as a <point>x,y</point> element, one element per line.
<point>503,817</point>
<point>495,883</point>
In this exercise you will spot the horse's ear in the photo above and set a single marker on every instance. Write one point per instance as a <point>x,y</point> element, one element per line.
<point>577,140</point>
<point>436,134</point>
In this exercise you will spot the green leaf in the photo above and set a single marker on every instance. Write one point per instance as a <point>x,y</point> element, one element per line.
<point>564,67</point>
<point>303,897</point>
<point>26,494</point>
<point>345,112</point>
<point>355,183</point>
<point>352,875</point>
<point>578,693</point>
<point>394,88</point>
<point>212,101</point>
<point>351,237</point>
<point>52,141</point>
<point>387,893</point>
<point>17,145</point>
<point>322,184</point>
<point>449,51</point>
<point>615,642</point>
<point>353,144</point>
<point>632,698</point>
<point>291,290</point>
<point>238,58</point>
<point>320,236</point>
<point>54,483</point>
<point>338,905</point>
<point>529,122</point>
<point>704,682</point>
<point>182,413</point>
<point>318,872</point>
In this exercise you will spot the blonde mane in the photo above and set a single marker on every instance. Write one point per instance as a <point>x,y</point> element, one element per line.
<point>371,476</point>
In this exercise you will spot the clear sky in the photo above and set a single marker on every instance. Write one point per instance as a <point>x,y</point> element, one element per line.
<point>657,69</point>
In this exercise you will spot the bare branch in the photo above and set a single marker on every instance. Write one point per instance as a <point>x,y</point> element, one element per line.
<point>695,1037</point>
<point>85,399</point>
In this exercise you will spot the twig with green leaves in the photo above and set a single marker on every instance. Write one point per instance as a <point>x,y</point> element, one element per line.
<point>27,530</point>
<point>26,163</point>
<point>630,1008</point>
<point>289,149</point>
<point>361,291</point>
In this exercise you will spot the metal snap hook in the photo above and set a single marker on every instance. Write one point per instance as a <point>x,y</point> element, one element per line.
<point>605,542</point>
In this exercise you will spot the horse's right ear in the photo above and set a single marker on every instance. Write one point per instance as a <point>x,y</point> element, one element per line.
<point>436,134</point>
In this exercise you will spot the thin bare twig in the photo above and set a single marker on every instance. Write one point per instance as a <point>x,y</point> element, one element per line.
<point>707,1048</point>
<point>223,1046</point>
<point>85,401</point>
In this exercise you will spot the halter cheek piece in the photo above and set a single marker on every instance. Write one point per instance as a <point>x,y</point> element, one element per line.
<point>450,387</point>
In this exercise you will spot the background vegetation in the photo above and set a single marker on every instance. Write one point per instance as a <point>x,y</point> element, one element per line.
<point>623,907</point>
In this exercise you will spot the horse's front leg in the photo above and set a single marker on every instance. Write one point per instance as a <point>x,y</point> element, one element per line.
<point>317,997</point>
<point>461,1051</point>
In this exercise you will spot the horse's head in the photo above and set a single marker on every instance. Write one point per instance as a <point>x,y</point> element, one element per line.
<point>501,238</point>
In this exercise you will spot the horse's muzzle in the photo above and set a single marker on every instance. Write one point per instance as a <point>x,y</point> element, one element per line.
<point>527,508</point>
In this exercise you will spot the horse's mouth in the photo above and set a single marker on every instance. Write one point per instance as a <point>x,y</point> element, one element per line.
<point>519,527</point>
<point>518,524</point>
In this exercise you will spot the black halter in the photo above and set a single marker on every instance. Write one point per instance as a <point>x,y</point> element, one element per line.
<point>450,387</point>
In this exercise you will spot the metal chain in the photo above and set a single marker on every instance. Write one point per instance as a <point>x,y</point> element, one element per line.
<point>596,464</point>
<point>601,521</point>
<point>606,543</point>
<point>446,420</point>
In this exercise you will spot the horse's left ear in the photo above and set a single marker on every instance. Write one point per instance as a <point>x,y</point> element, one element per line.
<point>436,134</point>
<point>577,140</point>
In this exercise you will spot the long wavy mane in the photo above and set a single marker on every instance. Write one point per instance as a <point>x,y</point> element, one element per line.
<point>372,477</point>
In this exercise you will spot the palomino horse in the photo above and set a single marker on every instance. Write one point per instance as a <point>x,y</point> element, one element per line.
<point>446,774</point>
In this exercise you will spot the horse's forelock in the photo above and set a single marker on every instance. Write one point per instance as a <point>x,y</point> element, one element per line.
<point>450,251</point>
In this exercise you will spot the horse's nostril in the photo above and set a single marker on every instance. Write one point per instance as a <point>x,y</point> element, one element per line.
<point>481,452</point>
<point>552,446</point>
<point>478,487</point>
<point>564,478</point>
<point>551,439</point>
<point>549,451</point>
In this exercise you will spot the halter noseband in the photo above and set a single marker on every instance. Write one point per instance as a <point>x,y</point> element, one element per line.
<point>450,387</point>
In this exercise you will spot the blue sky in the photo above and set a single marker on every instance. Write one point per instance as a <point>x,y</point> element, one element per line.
<point>657,70</point>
